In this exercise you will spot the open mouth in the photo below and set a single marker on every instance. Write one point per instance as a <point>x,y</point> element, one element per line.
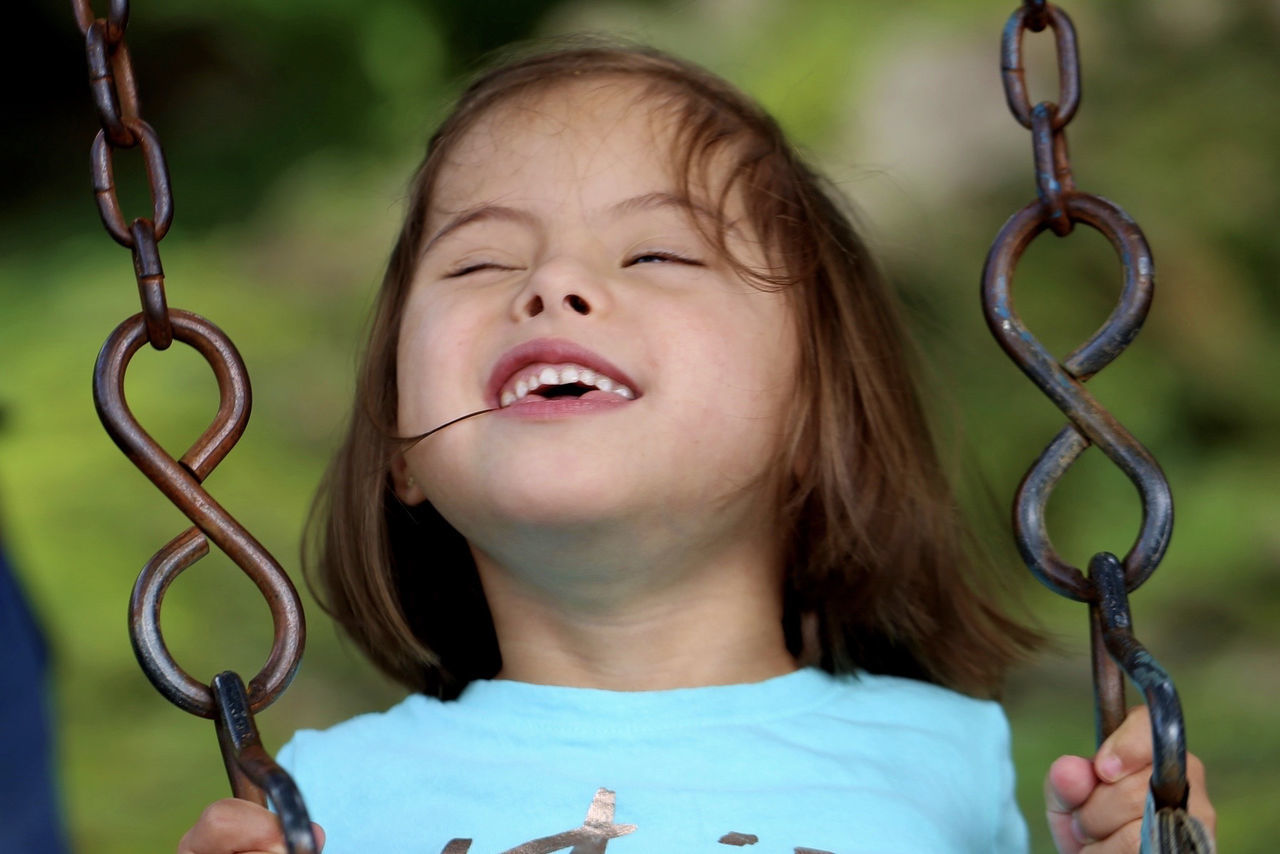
<point>565,380</point>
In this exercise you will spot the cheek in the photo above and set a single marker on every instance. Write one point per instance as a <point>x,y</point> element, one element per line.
<point>434,367</point>
<point>752,352</point>
<point>742,368</point>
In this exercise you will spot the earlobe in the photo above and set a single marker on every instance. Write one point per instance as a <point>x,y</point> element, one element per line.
<point>406,486</point>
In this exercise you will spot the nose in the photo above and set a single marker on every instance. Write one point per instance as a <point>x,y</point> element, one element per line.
<point>559,286</point>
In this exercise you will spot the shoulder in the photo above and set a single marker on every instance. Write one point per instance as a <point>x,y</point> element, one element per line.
<point>363,734</point>
<point>934,725</point>
<point>945,749</point>
<point>908,702</point>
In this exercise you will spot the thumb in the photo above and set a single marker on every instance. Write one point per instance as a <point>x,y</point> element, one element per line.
<point>1067,786</point>
<point>1127,750</point>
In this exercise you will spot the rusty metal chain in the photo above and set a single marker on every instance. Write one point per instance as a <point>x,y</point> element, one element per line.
<point>1167,827</point>
<point>254,775</point>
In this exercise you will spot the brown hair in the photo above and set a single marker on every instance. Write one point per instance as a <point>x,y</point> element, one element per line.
<point>879,572</point>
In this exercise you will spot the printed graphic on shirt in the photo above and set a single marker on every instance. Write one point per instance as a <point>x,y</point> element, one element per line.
<point>590,838</point>
<point>736,838</point>
<point>594,834</point>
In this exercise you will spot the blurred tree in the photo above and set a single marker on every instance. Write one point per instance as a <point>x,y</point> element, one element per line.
<point>479,27</point>
<point>246,91</point>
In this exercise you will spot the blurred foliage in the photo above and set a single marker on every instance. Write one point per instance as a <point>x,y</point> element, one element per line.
<point>291,128</point>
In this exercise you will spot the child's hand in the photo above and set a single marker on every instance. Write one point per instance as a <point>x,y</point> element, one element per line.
<point>1095,807</point>
<point>233,826</point>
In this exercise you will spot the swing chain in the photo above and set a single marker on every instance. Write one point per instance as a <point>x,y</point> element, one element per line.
<point>1047,121</point>
<point>1115,650</point>
<point>115,95</point>
<point>253,774</point>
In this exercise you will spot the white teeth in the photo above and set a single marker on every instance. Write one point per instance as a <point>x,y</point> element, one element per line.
<point>553,375</point>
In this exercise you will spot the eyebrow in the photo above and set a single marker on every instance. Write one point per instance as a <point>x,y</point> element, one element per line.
<point>479,213</point>
<point>635,204</point>
<point>701,214</point>
<point>650,201</point>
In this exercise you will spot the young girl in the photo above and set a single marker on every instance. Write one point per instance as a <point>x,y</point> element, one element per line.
<point>696,581</point>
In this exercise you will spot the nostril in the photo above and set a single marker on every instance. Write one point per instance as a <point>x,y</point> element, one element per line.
<point>577,303</point>
<point>534,307</point>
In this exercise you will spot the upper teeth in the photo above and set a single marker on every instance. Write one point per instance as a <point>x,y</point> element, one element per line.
<point>536,377</point>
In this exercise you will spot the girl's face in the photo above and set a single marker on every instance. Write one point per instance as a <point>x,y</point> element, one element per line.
<point>644,386</point>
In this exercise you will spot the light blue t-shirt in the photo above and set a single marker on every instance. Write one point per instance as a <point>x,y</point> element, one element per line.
<point>807,763</point>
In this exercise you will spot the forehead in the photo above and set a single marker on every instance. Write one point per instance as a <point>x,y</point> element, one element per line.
<point>582,141</point>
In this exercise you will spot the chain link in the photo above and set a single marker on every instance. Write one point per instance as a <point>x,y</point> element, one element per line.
<point>107,64</point>
<point>1015,75</point>
<point>252,772</point>
<point>117,17</point>
<point>1116,652</point>
<point>150,276</point>
<point>102,155</point>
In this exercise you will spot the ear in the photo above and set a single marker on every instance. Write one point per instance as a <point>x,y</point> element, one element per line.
<point>406,486</point>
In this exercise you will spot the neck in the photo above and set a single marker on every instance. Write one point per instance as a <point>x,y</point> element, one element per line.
<point>716,623</point>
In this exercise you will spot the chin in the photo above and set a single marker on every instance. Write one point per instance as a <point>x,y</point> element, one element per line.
<point>563,489</point>
<point>561,499</point>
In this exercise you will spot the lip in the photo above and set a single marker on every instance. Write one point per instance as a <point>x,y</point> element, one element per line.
<point>551,350</point>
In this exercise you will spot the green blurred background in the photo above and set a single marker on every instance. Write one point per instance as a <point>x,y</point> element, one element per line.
<point>291,128</point>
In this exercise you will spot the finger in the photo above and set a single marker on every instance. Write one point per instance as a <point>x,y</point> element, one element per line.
<point>232,825</point>
<point>1111,807</point>
<point>1111,819</point>
<point>282,847</point>
<point>1127,750</point>
<point>1067,786</point>
<point>1126,840</point>
<point>1198,802</point>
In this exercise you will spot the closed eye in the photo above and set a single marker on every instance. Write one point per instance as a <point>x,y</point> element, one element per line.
<point>661,257</point>
<point>467,269</point>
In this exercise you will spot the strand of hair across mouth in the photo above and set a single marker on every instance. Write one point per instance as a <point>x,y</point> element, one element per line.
<point>413,440</point>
